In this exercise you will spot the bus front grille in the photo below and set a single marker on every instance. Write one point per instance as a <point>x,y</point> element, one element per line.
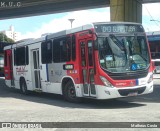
<point>126,92</point>
<point>128,75</point>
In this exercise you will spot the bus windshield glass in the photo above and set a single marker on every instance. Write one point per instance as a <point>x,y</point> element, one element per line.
<point>123,53</point>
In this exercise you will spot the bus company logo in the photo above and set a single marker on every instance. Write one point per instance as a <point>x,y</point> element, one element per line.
<point>6,125</point>
<point>20,70</point>
<point>121,84</point>
<point>131,83</point>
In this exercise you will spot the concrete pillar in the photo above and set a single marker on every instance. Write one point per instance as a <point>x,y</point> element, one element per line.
<point>126,10</point>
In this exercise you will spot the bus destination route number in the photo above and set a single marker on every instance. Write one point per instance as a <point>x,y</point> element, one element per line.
<point>118,28</point>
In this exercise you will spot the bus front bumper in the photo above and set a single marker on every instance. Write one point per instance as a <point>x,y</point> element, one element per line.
<point>104,92</point>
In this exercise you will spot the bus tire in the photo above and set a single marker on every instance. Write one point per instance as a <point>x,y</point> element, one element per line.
<point>23,87</point>
<point>69,93</point>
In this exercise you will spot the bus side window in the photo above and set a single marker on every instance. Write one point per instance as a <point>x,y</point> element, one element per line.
<point>46,49</point>
<point>73,47</point>
<point>56,51</point>
<point>61,50</point>
<point>5,59</point>
<point>68,44</point>
<point>90,53</point>
<point>20,56</point>
<point>14,56</point>
<point>27,55</point>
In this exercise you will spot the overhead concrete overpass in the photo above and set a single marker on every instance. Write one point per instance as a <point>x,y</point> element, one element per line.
<point>121,10</point>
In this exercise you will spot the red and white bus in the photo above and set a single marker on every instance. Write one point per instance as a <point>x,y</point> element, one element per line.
<point>154,43</point>
<point>99,60</point>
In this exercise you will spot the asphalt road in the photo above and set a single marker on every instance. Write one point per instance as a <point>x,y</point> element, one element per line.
<point>16,107</point>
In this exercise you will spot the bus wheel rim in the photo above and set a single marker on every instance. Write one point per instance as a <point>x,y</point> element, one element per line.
<point>71,92</point>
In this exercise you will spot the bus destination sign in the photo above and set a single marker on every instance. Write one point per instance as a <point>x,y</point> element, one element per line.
<point>128,28</point>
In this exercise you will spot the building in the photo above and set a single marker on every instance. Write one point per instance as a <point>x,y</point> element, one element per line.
<point>154,41</point>
<point>12,34</point>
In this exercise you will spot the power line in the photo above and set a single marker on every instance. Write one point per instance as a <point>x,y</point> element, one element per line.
<point>151,16</point>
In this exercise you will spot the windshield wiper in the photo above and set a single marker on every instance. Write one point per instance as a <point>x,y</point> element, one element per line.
<point>117,42</point>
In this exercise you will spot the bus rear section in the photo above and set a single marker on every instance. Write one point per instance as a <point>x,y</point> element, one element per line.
<point>2,45</point>
<point>8,68</point>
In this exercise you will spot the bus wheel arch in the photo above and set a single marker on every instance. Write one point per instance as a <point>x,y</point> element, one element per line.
<point>69,91</point>
<point>23,85</point>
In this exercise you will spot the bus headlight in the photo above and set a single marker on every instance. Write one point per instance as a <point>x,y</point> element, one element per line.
<point>150,78</point>
<point>106,82</point>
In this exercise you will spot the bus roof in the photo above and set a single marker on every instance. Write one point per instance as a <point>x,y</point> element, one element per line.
<point>70,31</point>
<point>7,47</point>
<point>63,33</point>
<point>98,23</point>
<point>25,42</point>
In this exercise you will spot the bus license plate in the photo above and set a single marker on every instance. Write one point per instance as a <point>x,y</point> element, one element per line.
<point>133,94</point>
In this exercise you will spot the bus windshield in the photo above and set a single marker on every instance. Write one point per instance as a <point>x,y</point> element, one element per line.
<point>125,53</point>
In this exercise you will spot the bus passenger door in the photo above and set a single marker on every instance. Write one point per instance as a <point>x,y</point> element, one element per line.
<point>8,66</point>
<point>36,69</point>
<point>87,65</point>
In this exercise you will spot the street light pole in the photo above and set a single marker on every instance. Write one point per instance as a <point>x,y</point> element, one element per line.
<point>71,20</point>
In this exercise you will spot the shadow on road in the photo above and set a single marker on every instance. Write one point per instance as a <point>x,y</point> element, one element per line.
<point>148,98</point>
<point>57,100</point>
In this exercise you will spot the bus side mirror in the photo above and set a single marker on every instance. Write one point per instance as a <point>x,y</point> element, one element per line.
<point>96,45</point>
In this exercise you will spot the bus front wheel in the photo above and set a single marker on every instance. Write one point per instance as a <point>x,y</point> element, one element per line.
<point>69,93</point>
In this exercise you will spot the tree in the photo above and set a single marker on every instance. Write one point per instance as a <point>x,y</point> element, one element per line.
<point>4,38</point>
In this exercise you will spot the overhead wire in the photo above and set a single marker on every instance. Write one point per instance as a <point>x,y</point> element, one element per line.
<point>152,17</point>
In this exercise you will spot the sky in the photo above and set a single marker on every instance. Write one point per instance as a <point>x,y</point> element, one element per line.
<point>34,27</point>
